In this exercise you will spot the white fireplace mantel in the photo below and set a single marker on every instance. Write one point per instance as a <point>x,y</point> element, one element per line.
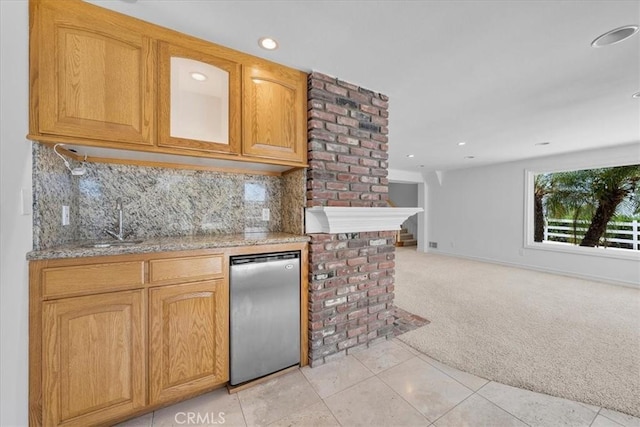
<point>335,219</point>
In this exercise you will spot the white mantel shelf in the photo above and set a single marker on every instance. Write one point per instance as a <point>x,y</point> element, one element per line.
<point>334,219</point>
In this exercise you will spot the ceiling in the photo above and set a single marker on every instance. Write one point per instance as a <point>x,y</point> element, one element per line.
<point>498,75</point>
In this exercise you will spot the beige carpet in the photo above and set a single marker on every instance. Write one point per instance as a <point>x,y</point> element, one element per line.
<point>553,334</point>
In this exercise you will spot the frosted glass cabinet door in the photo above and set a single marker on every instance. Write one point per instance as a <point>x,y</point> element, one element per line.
<point>199,101</point>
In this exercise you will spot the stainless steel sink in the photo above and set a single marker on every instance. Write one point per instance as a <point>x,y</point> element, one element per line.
<point>111,243</point>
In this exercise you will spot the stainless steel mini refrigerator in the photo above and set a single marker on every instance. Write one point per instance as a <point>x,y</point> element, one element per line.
<point>264,314</point>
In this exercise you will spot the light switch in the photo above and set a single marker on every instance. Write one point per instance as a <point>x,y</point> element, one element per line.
<point>265,214</point>
<point>26,202</point>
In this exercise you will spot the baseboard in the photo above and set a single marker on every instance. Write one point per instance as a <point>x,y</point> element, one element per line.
<point>594,278</point>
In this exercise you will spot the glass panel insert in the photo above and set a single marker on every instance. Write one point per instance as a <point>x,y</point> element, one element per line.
<point>199,101</point>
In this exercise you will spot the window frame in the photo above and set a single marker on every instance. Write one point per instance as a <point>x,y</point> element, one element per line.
<point>530,244</point>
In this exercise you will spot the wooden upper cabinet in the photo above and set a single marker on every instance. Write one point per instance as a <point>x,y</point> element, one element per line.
<point>92,75</point>
<point>274,113</point>
<point>102,79</point>
<point>199,101</point>
<point>93,365</point>
<point>189,338</point>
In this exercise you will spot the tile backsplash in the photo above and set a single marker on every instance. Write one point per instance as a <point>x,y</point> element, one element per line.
<point>157,201</point>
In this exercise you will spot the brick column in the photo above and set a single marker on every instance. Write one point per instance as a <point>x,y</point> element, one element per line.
<point>351,274</point>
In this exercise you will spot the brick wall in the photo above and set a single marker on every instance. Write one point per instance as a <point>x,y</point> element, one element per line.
<point>351,274</point>
<point>347,133</point>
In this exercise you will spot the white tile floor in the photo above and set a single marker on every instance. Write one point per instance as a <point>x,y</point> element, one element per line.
<point>389,384</point>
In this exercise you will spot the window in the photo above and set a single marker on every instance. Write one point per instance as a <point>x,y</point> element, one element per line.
<point>585,210</point>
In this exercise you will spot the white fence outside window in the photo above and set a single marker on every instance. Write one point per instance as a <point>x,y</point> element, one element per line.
<point>623,235</point>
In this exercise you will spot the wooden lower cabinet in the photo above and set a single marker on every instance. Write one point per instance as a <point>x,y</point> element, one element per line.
<point>93,365</point>
<point>116,336</point>
<point>113,337</point>
<point>189,339</point>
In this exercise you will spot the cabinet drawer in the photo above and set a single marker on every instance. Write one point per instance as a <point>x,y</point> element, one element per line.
<point>180,270</point>
<point>87,279</point>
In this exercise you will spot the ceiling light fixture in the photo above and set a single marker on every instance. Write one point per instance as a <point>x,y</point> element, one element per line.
<point>542,143</point>
<point>469,157</point>
<point>198,76</point>
<point>410,156</point>
<point>268,43</point>
<point>636,95</point>
<point>615,36</point>
<point>462,143</point>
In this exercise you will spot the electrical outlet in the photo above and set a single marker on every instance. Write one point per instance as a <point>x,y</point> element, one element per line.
<point>65,215</point>
<point>265,214</point>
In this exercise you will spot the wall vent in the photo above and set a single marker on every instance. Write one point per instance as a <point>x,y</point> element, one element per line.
<point>433,245</point>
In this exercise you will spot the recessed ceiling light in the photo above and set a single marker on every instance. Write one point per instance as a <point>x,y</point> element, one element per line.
<point>268,43</point>
<point>615,36</point>
<point>462,143</point>
<point>410,156</point>
<point>636,95</point>
<point>421,166</point>
<point>542,143</point>
<point>469,157</point>
<point>198,76</point>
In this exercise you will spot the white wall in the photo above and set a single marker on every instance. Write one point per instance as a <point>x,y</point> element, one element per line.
<point>403,195</point>
<point>406,196</point>
<point>479,213</point>
<point>408,177</point>
<point>15,228</point>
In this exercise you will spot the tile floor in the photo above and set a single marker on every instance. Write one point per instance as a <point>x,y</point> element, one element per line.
<point>389,384</point>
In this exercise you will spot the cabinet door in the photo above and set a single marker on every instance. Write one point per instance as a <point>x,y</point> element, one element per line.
<point>189,338</point>
<point>274,114</point>
<point>199,106</point>
<point>93,358</point>
<point>95,76</point>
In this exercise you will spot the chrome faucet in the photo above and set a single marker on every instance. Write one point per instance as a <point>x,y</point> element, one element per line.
<point>120,234</point>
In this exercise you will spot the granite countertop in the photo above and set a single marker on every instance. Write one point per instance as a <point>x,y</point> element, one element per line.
<point>167,244</point>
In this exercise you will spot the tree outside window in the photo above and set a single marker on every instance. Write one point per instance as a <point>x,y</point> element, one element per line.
<point>589,207</point>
